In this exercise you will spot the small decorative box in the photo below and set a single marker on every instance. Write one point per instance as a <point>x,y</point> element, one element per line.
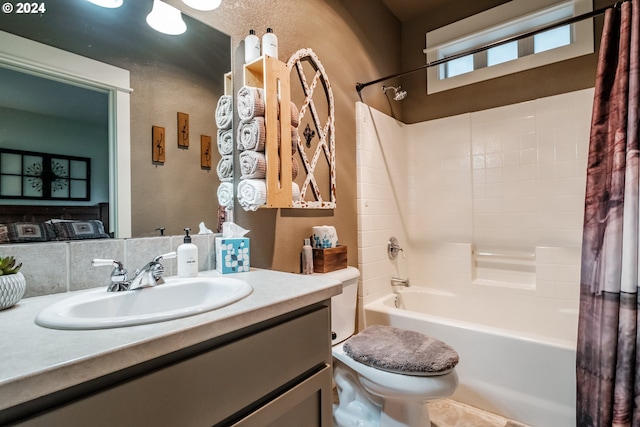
<point>330,259</point>
<point>232,254</point>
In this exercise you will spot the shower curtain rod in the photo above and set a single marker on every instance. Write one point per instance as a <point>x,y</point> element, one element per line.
<point>574,19</point>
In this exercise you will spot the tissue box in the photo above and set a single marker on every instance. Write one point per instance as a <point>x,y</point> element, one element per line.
<point>232,254</point>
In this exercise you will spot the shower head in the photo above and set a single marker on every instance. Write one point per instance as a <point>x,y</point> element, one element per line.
<point>398,93</point>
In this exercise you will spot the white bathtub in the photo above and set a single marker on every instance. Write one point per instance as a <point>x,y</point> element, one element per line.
<point>525,373</point>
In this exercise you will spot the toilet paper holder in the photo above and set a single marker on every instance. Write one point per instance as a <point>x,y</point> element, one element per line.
<point>393,248</point>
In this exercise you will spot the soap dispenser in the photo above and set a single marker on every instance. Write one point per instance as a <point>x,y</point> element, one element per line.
<point>187,257</point>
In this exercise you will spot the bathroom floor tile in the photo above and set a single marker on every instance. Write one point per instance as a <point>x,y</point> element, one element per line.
<point>480,419</point>
<point>449,413</point>
<point>445,414</point>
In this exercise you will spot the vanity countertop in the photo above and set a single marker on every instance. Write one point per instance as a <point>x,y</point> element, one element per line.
<point>37,361</point>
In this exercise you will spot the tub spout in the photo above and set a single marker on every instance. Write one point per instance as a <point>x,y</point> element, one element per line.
<point>396,281</point>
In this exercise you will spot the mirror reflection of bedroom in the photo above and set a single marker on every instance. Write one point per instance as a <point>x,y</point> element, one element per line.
<point>165,75</point>
<point>54,154</point>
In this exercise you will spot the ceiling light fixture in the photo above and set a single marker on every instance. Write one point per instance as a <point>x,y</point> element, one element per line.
<point>202,4</point>
<point>166,19</point>
<point>112,4</point>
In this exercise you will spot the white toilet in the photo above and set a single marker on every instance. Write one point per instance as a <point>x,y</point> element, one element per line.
<point>371,397</point>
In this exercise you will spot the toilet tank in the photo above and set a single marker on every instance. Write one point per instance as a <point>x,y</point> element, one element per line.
<point>343,306</point>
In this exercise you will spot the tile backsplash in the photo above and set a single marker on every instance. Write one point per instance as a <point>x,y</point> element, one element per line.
<point>56,267</point>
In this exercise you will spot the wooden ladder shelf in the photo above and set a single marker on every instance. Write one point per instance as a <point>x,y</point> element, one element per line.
<point>273,76</point>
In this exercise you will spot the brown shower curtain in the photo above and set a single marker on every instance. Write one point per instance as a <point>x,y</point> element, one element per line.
<point>608,366</point>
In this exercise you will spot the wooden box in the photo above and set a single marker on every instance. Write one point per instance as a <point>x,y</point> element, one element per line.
<point>331,259</point>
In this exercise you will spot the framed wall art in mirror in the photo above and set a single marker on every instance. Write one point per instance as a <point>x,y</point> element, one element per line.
<point>44,176</point>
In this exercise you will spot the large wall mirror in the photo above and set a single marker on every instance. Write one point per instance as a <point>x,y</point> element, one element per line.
<point>168,75</point>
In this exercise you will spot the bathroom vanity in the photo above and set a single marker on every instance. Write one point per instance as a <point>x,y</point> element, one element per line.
<point>262,361</point>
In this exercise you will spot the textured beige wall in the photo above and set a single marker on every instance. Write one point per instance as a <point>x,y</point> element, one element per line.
<point>356,40</point>
<point>553,79</point>
<point>178,193</point>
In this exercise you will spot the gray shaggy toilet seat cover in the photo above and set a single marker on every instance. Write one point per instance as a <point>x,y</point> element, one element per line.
<point>401,351</point>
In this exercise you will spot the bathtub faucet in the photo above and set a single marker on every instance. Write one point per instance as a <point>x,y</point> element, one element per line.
<point>393,248</point>
<point>396,281</point>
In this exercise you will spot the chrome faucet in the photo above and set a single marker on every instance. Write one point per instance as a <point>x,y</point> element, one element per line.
<point>147,276</point>
<point>150,274</point>
<point>119,276</point>
<point>393,248</point>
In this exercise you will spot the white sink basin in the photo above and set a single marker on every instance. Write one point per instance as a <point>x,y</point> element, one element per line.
<point>99,309</point>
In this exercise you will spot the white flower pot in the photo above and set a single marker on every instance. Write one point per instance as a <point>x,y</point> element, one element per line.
<point>12,288</point>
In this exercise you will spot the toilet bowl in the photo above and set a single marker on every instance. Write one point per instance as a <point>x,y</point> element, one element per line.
<point>369,396</point>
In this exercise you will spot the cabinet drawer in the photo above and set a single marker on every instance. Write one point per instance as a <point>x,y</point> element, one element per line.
<point>208,388</point>
<point>308,404</point>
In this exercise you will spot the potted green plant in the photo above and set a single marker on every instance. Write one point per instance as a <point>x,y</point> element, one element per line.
<point>12,282</point>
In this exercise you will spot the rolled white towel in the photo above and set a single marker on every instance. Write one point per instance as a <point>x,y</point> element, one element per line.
<point>294,140</point>
<point>225,168</point>
<point>252,135</point>
<point>253,164</point>
<point>295,191</point>
<point>295,168</point>
<point>252,193</point>
<point>225,195</point>
<point>224,112</point>
<point>295,115</point>
<point>225,141</point>
<point>250,102</point>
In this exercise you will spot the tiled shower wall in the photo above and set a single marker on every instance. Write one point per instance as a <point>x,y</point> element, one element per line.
<point>505,180</point>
